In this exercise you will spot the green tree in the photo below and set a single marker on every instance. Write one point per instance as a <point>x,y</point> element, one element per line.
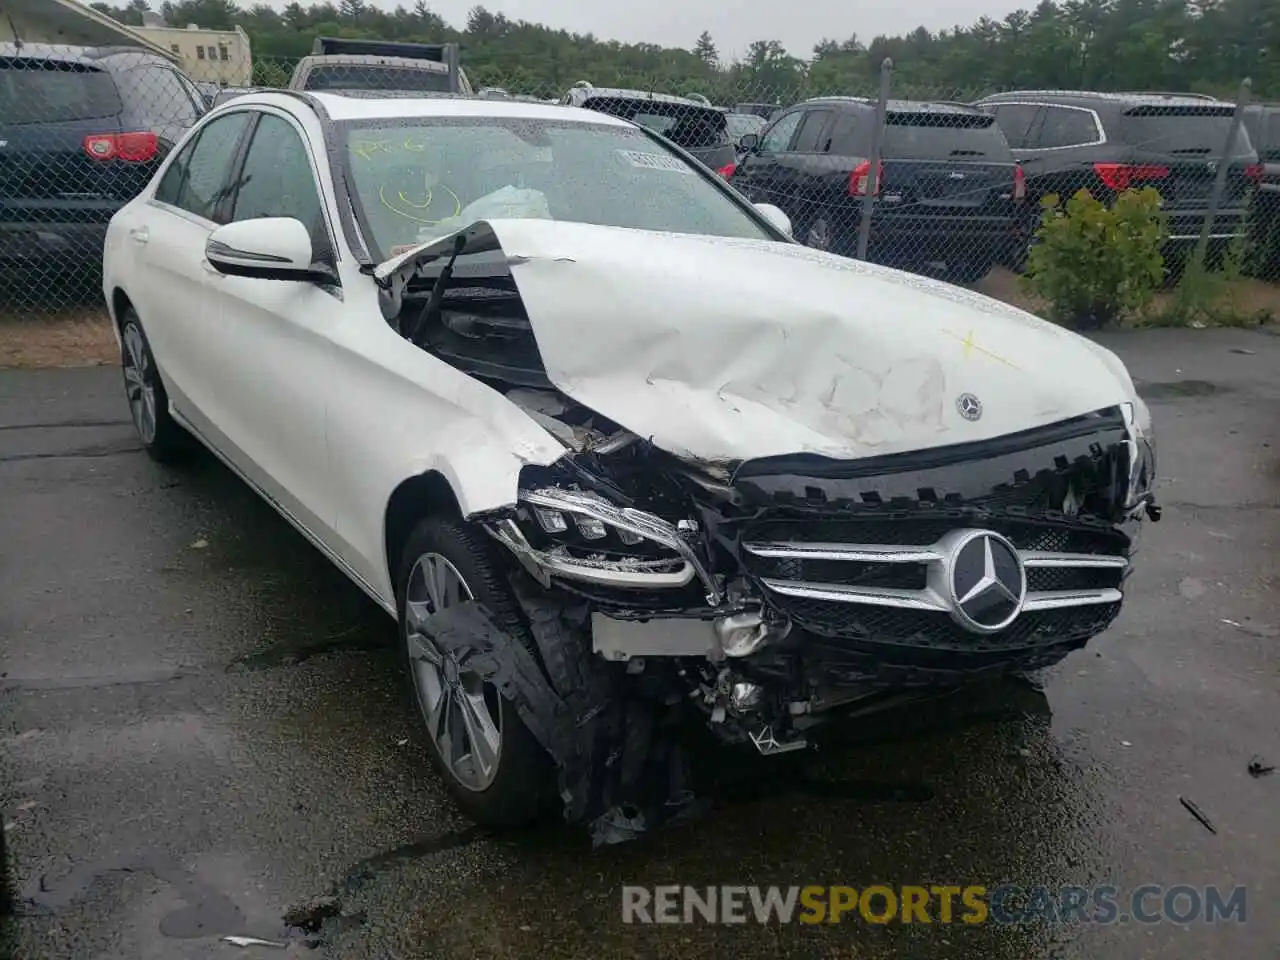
<point>705,50</point>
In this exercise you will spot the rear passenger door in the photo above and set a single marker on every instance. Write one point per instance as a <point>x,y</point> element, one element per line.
<point>758,176</point>
<point>268,347</point>
<point>174,292</point>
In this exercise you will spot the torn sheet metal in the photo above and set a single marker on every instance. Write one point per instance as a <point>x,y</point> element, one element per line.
<point>619,773</point>
<point>729,349</point>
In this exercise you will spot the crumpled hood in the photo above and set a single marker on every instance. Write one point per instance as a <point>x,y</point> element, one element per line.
<point>721,349</point>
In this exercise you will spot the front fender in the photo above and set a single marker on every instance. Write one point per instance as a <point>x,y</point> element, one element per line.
<point>397,412</point>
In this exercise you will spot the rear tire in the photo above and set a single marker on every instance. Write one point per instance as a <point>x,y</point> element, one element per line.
<point>489,761</point>
<point>163,439</point>
<point>824,233</point>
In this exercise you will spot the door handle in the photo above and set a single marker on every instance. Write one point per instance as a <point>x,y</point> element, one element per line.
<point>139,235</point>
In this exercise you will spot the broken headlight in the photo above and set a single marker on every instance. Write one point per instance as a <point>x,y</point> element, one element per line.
<point>1142,455</point>
<point>582,536</point>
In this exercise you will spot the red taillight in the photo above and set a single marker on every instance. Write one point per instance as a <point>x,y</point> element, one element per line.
<point>1119,176</point>
<point>131,147</point>
<point>1019,184</point>
<point>727,170</point>
<point>1255,172</point>
<point>858,180</point>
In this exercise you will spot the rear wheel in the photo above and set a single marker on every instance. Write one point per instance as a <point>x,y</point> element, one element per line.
<point>825,233</point>
<point>160,434</point>
<point>491,764</point>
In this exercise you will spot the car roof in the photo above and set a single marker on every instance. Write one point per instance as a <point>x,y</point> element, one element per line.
<point>63,53</point>
<point>896,106</point>
<point>621,93</point>
<point>374,105</point>
<point>1094,98</point>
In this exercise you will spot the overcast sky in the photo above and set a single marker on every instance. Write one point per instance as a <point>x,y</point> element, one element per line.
<point>799,24</point>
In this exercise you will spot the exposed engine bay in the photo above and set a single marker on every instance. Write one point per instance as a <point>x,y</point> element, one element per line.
<point>767,596</point>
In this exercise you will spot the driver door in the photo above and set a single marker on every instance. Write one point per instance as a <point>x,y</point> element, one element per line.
<point>760,176</point>
<point>269,340</point>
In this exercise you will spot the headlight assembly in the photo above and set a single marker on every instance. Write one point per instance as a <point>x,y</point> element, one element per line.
<point>1142,456</point>
<point>582,536</point>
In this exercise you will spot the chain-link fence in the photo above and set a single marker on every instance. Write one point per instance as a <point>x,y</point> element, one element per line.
<point>952,183</point>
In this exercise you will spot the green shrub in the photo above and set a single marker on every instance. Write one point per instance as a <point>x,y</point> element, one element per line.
<point>1094,264</point>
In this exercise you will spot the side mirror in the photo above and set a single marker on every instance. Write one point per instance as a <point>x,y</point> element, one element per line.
<point>268,248</point>
<point>749,141</point>
<point>775,216</point>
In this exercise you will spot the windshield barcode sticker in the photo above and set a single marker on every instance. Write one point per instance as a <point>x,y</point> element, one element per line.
<point>653,161</point>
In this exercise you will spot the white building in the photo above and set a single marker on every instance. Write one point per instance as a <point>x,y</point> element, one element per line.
<point>212,56</point>
<point>71,23</point>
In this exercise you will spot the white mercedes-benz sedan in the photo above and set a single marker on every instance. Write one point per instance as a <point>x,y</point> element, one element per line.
<point>615,451</point>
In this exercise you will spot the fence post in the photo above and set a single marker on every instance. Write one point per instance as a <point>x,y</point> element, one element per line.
<point>877,136</point>
<point>1220,180</point>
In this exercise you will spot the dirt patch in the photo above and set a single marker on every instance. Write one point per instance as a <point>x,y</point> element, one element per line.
<point>1007,286</point>
<point>72,338</point>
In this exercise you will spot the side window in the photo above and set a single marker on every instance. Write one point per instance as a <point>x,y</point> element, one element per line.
<point>277,178</point>
<point>1064,127</point>
<point>844,135</point>
<point>778,137</point>
<point>815,121</point>
<point>171,183</point>
<point>208,172</point>
<point>159,95</point>
<point>1016,121</point>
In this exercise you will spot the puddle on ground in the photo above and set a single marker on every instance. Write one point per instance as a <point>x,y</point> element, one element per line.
<point>205,912</point>
<point>1173,389</point>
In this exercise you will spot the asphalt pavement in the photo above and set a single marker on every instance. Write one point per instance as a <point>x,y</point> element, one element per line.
<point>202,726</point>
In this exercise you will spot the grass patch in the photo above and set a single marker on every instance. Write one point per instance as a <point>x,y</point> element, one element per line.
<point>70,338</point>
<point>1212,300</point>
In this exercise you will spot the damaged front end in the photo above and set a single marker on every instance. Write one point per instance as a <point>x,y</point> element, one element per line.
<point>772,594</point>
<point>769,595</point>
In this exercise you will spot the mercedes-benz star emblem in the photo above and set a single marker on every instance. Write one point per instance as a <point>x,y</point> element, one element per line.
<point>970,407</point>
<point>986,581</point>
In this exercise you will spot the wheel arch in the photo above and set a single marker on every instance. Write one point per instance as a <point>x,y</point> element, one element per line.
<point>118,304</point>
<point>422,495</point>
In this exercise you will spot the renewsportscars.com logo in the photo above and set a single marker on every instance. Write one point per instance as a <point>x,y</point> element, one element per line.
<point>972,904</point>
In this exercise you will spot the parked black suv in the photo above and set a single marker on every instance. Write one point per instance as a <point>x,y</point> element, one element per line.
<point>694,125</point>
<point>1263,123</point>
<point>1108,142</point>
<point>81,132</point>
<point>948,191</point>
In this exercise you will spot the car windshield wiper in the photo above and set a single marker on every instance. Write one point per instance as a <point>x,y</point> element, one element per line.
<point>432,309</point>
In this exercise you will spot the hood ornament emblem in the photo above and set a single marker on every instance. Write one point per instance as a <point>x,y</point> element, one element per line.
<point>970,407</point>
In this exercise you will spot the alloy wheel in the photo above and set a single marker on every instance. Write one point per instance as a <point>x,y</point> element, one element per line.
<point>819,235</point>
<point>139,383</point>
<point>463,714</point>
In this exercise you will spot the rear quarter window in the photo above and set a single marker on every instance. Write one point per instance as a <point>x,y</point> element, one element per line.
<point>1182,130</point>
<point>943,136</point>
<point>52,91</point>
